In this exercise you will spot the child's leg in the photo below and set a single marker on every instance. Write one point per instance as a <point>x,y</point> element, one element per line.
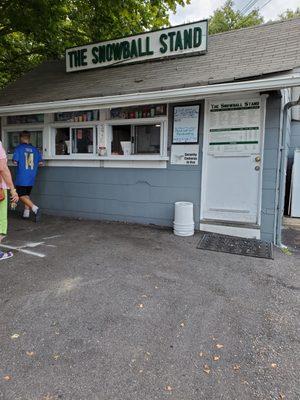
<point>27,202</point>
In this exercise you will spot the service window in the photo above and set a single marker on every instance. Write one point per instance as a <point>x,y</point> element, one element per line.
<point>82,140</point>
<point>75,140</point>
<point>13,140</point>
<point>136,139</point>
<point>62,141</point>
<point>120,134</point>
<point>147,139</point>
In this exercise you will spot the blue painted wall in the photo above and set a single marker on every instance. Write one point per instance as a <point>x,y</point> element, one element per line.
<point>133,195</point>
<point>271,149</point>
<point>148,195</point>
<point>127,194</point>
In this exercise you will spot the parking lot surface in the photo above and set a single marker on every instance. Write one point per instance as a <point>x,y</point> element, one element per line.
<point>107,311</point>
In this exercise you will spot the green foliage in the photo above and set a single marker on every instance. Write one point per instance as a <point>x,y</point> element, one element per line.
<point>35,30</point>
<point>288,14</point>
<point>226,19</point>
<point>32,31</point>
<point>286,251</point>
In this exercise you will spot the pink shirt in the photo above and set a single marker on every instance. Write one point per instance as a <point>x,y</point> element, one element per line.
<point>2,157</point>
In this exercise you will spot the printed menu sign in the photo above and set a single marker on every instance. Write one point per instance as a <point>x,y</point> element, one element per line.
<point>186,124</point>
<point>234,126</point>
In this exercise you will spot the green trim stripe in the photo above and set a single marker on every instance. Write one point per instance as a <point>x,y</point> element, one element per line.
<point>250,128</point>
<point>220,143</point>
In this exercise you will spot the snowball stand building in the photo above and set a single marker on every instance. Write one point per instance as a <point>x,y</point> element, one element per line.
<point>129,126</point>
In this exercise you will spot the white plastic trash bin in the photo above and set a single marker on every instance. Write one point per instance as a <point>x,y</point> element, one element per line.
<point>184,219</point>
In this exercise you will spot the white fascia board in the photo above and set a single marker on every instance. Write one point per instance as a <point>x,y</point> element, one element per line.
<point>181,94</point>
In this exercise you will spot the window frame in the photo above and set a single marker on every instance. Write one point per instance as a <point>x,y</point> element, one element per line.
<point>102,137</point>
<point>163,121</point>
<point>73,156</point>
<point>13,128</point>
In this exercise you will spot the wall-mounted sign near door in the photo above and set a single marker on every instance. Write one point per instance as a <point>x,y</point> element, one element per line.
<point>186,124</point>
<point>185,154</point>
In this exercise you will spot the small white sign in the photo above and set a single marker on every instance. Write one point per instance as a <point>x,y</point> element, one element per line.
<point>185,154</point>
<point>186,124</point>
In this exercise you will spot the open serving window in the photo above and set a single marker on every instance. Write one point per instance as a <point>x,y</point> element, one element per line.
<point>139,131</point>
<point>137,135</point>
<point>75,140</point>
<point>136,139</point>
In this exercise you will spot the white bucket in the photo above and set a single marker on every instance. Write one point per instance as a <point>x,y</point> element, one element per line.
<point>126,147</point>
<point>184,219</point>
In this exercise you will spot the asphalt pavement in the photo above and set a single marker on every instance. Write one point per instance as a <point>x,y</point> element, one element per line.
<point>107,311</point>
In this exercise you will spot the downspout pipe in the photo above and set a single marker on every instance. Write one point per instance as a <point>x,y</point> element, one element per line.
<point>282,170</point>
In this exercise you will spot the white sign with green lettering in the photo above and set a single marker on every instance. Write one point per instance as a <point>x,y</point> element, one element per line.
<point>183,39</point>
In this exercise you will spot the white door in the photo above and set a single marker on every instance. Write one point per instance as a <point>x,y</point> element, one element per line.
<point>232,161</point>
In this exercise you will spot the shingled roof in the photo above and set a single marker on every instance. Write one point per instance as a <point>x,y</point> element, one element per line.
<point>235,55</point>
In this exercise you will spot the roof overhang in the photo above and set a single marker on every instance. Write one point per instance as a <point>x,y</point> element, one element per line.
<point>175,95</point>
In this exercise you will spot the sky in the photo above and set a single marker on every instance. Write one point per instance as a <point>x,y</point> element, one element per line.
<point>201,9</point>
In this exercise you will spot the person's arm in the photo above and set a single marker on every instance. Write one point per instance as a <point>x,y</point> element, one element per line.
<point>15,157</point>
<point>6,176</point>
<point>40,158</point>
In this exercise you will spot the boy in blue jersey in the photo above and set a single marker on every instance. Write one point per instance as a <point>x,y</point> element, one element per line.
<point>27,158</point>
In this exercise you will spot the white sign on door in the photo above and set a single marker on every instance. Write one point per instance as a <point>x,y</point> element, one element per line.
<point>234,127</point>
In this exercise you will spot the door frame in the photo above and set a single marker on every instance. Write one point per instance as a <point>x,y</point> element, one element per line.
<point>241,229</point>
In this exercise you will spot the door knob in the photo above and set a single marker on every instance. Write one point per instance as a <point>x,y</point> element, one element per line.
<point>257,168</point>
<point>257,158</point>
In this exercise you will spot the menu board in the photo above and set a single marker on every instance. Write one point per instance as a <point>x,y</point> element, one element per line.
<point>234,126</point>
<point>186,124</point>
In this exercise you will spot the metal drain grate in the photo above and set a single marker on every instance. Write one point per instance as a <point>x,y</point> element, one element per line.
<point>236,245</point>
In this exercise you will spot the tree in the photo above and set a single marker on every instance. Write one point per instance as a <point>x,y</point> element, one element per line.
<point>226,19</point>
<point>35,30</point>
<point>288,14</point>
